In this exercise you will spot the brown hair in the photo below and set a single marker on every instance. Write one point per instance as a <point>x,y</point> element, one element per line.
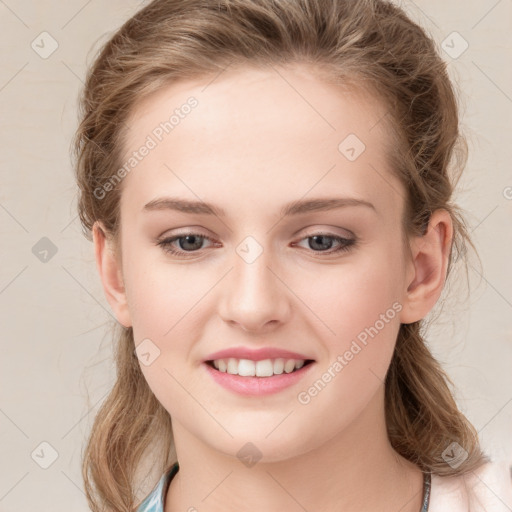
<point>370,43</point>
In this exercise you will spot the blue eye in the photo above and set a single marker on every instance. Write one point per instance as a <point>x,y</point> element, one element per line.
<point>322,240</point>
<point>189,243</point>
<point>191,239</point>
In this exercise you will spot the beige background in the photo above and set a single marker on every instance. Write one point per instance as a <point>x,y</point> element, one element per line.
<point>54,317</point>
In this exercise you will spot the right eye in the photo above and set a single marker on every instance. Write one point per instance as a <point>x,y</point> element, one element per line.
<point>189,242</point>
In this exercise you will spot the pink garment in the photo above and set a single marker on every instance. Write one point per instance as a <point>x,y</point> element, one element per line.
<point>488,489</point>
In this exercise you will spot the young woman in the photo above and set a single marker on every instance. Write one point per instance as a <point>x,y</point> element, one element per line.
<point>268,184</point>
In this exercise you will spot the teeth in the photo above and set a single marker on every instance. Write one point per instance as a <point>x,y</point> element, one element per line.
<point>246,368</point>
<point>278,366</point>
<point>264,368</point>
<point>289,366</point>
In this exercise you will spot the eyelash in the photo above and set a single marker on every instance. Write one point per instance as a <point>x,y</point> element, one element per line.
<point>347,244</point>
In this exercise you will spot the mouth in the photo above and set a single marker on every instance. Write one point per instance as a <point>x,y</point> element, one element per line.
<point>264,368</point>
<point>248,371</point>
<point>247,377</point>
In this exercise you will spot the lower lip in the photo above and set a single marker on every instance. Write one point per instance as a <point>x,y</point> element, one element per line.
<point>257,385</point>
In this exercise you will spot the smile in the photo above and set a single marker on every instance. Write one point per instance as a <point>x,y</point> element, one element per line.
<point>247,377</point>
<point>262,368</point>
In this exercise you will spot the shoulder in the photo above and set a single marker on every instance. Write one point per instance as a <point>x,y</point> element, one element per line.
<point>487,489</point>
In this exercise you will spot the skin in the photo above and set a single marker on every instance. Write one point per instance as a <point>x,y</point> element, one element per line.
<point>251,145</point>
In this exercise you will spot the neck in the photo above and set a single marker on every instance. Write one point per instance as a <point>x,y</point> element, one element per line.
<point>356,470</point>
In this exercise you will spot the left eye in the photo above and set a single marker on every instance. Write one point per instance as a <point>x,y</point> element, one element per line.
<point>192,242</point>
<point>321,239</point>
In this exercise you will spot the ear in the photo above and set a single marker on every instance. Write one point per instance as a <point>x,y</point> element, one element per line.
<point>428,266</point>
<point>109,268</point>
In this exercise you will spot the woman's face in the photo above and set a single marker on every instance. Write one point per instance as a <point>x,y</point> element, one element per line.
<point>269,151</point>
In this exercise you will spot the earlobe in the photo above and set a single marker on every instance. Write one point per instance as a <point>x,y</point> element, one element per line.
<point>109,269</point>
<point>430,254</point>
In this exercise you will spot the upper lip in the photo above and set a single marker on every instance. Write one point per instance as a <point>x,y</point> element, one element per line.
<point>256,354</point>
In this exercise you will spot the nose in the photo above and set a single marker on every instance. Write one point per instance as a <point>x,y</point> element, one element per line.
<point>254,296</point>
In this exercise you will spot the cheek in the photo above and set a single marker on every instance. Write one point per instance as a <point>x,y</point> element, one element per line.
<point>359,310</point>
<point>351,296</point>
<point>167,305</point>
<point>162,296</point>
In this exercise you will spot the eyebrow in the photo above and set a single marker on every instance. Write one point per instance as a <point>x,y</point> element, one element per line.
<point>293,208</point>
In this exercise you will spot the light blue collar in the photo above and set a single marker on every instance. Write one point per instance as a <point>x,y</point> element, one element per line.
<point>155,500</point>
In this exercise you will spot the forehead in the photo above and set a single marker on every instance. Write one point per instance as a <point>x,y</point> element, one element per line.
<point>261,133</point>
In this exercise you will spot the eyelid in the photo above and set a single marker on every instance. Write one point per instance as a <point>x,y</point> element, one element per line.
<point>191,230</point>
<point>328,232</point>
<point>345,244</point>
